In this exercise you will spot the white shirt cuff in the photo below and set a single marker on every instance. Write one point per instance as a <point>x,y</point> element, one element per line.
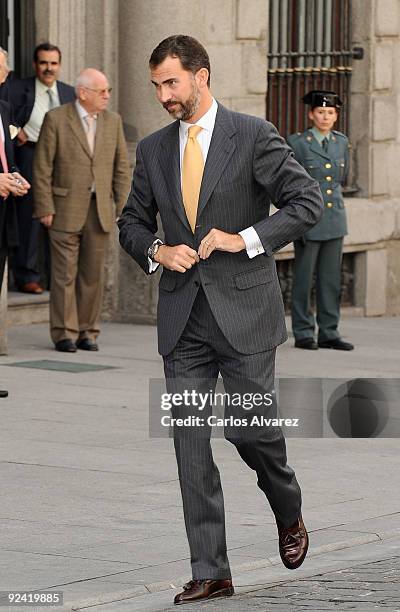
<point>153,265</point>
<point>252,241</point>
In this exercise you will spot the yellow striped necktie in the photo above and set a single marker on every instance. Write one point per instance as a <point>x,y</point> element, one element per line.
<point>192,174</point>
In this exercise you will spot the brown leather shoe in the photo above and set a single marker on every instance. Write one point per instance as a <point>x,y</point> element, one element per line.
<point>196,590</point>
<point>293,543</point>
<point>31,288</point>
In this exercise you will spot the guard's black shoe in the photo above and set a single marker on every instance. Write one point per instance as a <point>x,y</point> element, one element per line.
<point>336,343</point>
<point>306,343</point>
<point>3,393</point>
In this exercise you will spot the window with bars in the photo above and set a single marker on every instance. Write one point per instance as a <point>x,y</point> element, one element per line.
<point>309,48</point>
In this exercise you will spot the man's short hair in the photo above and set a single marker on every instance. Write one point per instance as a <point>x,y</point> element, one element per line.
<point>46,46</point>
<point>191,53</point>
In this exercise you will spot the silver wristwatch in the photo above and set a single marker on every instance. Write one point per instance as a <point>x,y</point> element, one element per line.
<point>153,248</point>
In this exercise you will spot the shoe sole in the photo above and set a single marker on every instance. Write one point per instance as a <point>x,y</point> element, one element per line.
<point>335,348</point>
<point>299,562</point>
<point>223,593</point>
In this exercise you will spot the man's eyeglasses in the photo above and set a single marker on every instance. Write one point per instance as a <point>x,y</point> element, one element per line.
<point>100,91</point>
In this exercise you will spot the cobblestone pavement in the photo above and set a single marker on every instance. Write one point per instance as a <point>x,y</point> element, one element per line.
<point>367,587</point>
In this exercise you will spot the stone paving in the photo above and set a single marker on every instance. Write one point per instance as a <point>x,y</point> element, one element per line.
<point>367,587</point>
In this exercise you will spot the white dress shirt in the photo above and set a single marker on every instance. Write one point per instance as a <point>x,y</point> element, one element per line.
<point>207,122</point>
<point>82,112</point>
<point>40,108</point>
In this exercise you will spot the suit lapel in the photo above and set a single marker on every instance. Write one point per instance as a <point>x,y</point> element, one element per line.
<point>60,91</point>
<point>77,128</point>
<point>221,150</point>
<point>170,165</point>
<point>99,140</point>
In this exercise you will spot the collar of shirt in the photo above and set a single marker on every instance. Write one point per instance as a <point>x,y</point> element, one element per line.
<point>41,89</point>
<point>207,122</point>
<point>82,112</point>
<point>319,137</point>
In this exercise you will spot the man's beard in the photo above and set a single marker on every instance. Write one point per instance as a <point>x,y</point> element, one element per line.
<point>187,109</point>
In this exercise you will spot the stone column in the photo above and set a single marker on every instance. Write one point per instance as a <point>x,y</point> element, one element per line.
<point>62,22</point>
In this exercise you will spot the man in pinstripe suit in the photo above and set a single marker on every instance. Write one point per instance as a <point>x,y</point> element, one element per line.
<point>220,307</point>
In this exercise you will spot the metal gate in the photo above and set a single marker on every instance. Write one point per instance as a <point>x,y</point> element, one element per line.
<point>309,48</point>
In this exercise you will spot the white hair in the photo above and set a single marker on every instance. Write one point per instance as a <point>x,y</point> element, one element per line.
<point>85,78</point>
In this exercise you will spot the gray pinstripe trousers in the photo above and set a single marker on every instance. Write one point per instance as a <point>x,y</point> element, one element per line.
<point>202,353</point>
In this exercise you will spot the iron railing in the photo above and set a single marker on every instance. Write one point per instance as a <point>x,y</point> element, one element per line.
<point>309,48</point>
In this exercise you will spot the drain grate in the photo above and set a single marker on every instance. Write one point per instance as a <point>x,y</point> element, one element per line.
<point>60,366</point>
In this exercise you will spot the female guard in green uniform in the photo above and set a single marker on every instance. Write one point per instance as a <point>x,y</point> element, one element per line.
<point>324,154</point>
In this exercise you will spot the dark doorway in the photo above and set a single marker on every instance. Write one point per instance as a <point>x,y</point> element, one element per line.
<point>3,24</point>
<point>24,36</point>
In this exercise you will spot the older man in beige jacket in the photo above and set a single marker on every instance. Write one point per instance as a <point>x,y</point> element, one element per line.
<point>81,182</point>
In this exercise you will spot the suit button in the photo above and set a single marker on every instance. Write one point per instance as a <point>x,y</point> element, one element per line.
<point>329,205</point>
<point>328,165</point>
<point>329,191</point>
<point>196,284</point>
<point>328,178</point>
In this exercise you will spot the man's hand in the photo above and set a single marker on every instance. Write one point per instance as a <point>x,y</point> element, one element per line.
<point>22,137</point>
<point>217,240</point>
<point>178,258</point>
<point>20,186</point>
<point>4,184</point>
<point>23,180</point>
<point>47,221</point>
<point>9,183</point>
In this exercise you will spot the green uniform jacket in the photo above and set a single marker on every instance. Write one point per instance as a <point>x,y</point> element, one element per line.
<point>329,169</point>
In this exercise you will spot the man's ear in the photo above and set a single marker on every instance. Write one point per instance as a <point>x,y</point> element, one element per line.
<point>202,77</point>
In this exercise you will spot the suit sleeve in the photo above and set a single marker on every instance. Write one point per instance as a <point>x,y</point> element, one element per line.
<point>43,161</point>
<point>138,221</point>
<point>288,186</point>
<point>121,173</point>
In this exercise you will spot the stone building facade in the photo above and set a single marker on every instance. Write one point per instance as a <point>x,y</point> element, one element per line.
<point>117,36</point>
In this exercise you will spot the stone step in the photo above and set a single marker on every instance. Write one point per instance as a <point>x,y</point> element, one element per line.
<point>27,308</point>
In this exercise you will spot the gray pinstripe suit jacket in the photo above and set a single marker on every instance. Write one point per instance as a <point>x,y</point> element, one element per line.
<point>248,166</point>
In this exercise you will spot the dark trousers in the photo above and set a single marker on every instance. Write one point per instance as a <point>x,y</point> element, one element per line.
<point>324,258</point>
<point>25,258</point>
<point>3,259</point>
<point>202,353</point>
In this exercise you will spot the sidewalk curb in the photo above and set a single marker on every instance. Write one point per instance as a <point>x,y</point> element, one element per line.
<point>156,587</point>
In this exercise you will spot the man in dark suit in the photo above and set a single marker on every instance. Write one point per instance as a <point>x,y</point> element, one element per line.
<point>211,176</point>
<point>11,182</point>
<point>30,99</point>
